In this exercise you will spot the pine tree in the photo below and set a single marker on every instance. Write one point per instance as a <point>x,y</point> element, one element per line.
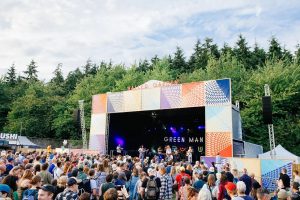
<point>154,60</point>
<point>11,77</point>
<point>58,78</point>
<point>178,64</point>
<point>193,62</point>
<point>297,54</point>
<point>226,50</point>
<point>89,68</point>
<point>143,66</point>
<point>31,72</point>
<point>275,50</point>
<point>258,56</point>
<point>242,52</point>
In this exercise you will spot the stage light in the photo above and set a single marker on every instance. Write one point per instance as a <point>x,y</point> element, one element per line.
<point>181,128</point>
<point>201,127</point>
<point>119,141</point>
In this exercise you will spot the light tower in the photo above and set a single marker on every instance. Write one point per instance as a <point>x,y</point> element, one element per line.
<point>82,124</point>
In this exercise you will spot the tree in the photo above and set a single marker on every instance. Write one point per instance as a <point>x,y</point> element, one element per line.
<point>11,77</point>
<point>275,50</point>
<point>242,52</point>
<point>178,64</point>
<point>258,57</point>
<point>72,79</point>
<point>58,78</point>
<point>89,68</point>
<point>143,66</point>
<point>31,72</point>
<point>297,55</point>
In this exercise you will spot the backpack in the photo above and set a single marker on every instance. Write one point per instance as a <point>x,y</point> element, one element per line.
<point>30,194</point>
<point>151,189</point>
<point>85,186</point>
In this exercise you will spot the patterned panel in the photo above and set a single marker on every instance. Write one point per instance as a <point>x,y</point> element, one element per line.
<point>99,103</point>
<point>170,97</point>
<point>98,124</point>
<point>218,119</point>
<point>115,102</point>
<point>218,142</point>
<point>193,94</point>
<point>151,99</point>
<point>217,92</point>
<point>271,169</point>
<point>97,142</point>
<point>132,100</point>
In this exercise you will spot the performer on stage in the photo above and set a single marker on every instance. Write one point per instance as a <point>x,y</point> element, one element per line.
<point>142,152</point>
<point>169,155</point>
<point>119,149</point>
<point>189,154</point>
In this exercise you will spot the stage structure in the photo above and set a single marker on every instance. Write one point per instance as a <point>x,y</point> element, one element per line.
<point>197,114</point>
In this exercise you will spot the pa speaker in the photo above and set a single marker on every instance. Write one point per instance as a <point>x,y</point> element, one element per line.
<point>76,117</point>
<point>267,110</point>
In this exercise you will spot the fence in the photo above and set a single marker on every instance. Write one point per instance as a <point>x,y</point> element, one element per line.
<point>56,143</point>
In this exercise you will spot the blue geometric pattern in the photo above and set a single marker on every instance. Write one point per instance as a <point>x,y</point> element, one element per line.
<point>217,92</point>
<point>269,178</point>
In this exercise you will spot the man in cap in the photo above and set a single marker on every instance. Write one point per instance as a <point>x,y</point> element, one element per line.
<point>231,191</point>
<point>46,192</point>
<point>71,192</point>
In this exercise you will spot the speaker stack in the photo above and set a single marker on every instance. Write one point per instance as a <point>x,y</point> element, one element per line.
<point>267,110</point>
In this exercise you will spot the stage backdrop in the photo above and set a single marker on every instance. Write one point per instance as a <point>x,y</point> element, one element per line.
<point>213,95</point>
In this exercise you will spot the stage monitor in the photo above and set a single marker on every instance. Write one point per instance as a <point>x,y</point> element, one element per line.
<point>179,128</point>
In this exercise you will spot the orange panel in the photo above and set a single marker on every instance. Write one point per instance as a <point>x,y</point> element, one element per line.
<point>99,103</point>
<point>193,94</point>
<point>218,142</point>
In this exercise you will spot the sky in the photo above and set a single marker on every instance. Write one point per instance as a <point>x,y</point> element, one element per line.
<point>124,31</point>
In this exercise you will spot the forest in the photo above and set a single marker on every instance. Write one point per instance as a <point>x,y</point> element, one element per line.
<point>45,109</point>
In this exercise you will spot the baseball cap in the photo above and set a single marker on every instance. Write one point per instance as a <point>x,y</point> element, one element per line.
<point>10,159</point>
<point>72,181</point>
<point>4,188</point>
<point>48,188</point>
<point>230,186</point>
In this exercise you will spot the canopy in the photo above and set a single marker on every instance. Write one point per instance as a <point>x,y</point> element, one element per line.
<point>281,153</point>
<point>23,141</point>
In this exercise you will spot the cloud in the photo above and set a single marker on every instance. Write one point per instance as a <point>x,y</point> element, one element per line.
<point>71,31</point>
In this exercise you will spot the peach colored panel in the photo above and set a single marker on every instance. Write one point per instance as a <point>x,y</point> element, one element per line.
<point>218,142</point>
<point>193,94</point>
<point>99,103</point>
<point>132,100</point>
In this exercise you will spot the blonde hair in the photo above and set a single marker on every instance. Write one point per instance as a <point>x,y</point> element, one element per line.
<point>62,181</point>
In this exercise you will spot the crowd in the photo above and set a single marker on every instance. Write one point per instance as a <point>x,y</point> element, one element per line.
<point>48,176</point>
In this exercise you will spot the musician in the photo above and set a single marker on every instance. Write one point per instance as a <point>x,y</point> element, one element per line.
<point>189,154</point>
<point>119,149</point>
<point>142,152</point>
<point>169,155</point>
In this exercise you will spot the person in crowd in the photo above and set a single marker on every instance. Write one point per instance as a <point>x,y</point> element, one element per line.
<point>24,182</point>
<point>32,193</point>
<point>204,194</point>
<point>36,169</point>
<point>81,175</point>
<point>105,186</point>
<point>58,171</point>
<point>295,191</point>
<point>221,188</point>
<point>131,184</point>
<point>9,165</point>
<point>4,192</point>
<point>150,187</point>
<point>71,191</point>
<point>192,194</point>
<point>11,181</point>
<point>61,185</point>
<point>229,175</point>
<point>263,194</point>
<point>296,176</point>
<point>46,192</point>
<point>255,187</point>
<point>247,180</point>
<point>166,184</point>
<point>45,174</point>
<point>111,194</point>
<point>198,183</point>
<point>211,186</point>
<point>85,196</point>
<point>231,191</point>
<point>93,184</point>
<point>183,191</point>
<point>285,178</point>
<point>241,189</point>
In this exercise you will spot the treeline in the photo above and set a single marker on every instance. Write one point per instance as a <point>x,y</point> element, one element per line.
<point>39,109</point>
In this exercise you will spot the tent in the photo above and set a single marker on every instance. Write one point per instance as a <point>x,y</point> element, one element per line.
<point>23,141</point>
<point>281,153</point>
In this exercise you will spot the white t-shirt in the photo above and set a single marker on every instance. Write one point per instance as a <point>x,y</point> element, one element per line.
<point>93,184</point>
<point>57,172</point>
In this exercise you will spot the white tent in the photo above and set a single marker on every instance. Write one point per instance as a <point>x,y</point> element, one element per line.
<point>281,153</point>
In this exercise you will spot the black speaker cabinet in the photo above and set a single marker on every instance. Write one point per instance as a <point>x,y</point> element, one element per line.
<point>267,110</point>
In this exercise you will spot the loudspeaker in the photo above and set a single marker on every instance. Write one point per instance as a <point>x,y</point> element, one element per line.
<point>76,117</point>
<point>267,110</point>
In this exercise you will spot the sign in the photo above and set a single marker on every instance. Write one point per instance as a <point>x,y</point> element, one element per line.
<point>153,84</point>
<point>8,136</point>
